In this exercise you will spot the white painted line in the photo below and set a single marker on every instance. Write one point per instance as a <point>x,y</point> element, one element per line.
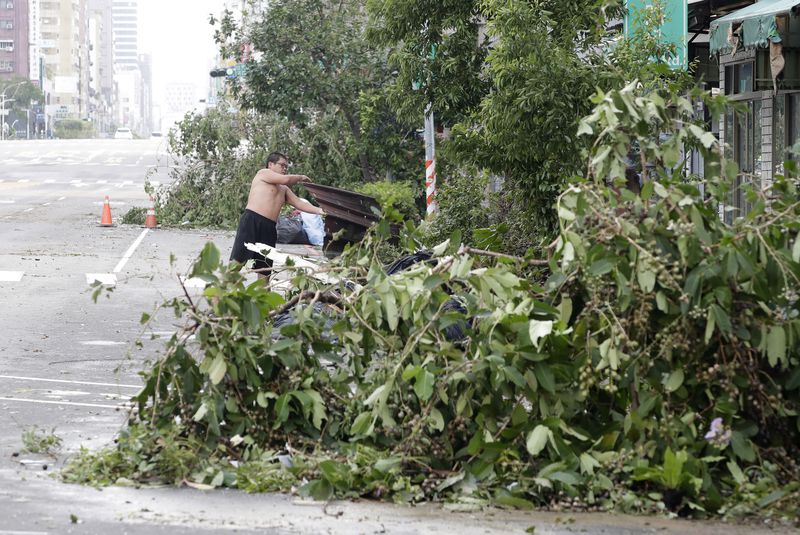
<point>71,403</point>
<point>102,343</point>
<point>6,532</point>
<point>45,204</point>
<point>75,181</point>
<point>64,381</point>
<point>28,210</point>
<point>102,182</point>
<point>108,279</point>
<point>50,181</point>
<point>61,198</point>
<point>11,276</point>
<point>23,180</point>
<point>130,251</point>
<point>6,201</point>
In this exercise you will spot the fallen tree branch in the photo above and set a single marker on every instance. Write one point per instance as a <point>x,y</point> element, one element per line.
<point>481,252</point>
<point>327,298</point>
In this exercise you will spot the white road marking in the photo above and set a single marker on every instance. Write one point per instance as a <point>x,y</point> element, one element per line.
<point>64,381</point>
<point>130,251</point>
<point>102,182</point>
<point>11,276</point>
<point>61,198</point>
<point>7,532</point>
<point>45,204</point>
<point>23,180</point>
<point>108,279</point>
<point>75,181</point>
<point>102,343</point>
<point>5,201</point>
<point>50,181</point>
<point>70,403</point>
<point>28,210</point>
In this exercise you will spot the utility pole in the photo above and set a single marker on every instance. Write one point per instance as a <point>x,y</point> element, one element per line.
<point>430,162</point>
<point>27,123</point>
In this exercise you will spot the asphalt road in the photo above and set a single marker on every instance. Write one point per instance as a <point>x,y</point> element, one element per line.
<point>68,365</point>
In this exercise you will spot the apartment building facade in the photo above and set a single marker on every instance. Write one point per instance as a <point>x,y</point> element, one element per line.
<point>14,39</point>
<point>63,48</point>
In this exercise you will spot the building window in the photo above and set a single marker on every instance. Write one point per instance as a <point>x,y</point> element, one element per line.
<point>6,4</point>
<point>7,45</point>
<point>6,66</point>
<point>743,144</point>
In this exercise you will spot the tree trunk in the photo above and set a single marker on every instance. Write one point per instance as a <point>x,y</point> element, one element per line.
<point>355,129</point>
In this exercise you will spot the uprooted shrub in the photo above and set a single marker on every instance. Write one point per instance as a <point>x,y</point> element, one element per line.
<point>657,366</point>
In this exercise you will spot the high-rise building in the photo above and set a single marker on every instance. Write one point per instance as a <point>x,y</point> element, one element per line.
<point>125,16</point>
<point>146,109</point>
<point>101,66</point>
<point>14,39</point>
<point>63,47</point>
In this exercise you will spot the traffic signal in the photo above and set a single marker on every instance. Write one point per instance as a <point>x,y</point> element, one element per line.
<point>217,73</point>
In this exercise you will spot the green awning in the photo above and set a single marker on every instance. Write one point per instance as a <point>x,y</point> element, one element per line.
<point>755,25</point>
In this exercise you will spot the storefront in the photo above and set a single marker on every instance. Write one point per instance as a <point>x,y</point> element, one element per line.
<point>758,48</point>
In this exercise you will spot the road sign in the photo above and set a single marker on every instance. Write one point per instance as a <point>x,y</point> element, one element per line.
<point>673,30</point>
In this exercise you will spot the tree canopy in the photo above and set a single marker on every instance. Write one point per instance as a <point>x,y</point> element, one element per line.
<point>310,64</point>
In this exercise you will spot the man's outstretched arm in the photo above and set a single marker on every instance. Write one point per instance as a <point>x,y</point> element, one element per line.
<point>271,177</point>
<point>302,204</point>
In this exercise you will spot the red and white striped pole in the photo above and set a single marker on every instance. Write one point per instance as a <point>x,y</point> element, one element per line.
<point>430,163</point>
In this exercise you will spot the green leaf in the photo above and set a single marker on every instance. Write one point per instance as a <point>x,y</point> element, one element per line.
<point>282,408</point>
<point>539,329</point>
<point>363,424</point>
<point>736,472</point>
<point>387,465</point>
<point>423,386</point>
<point>776,345</point>
<point>217,370</point>
<point>588,463</point>
<point>796,249</point>
<point>646,279</point>
<point>545,377</point>
<point>537,439</point>
<point>674,381</point>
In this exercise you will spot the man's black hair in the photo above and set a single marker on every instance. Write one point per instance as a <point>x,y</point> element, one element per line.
<point>275,157</point>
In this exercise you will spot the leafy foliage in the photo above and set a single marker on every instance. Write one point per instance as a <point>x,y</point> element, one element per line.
<point>394,195</point>
<point>35,440</point>
<point>74,129</point>
<point>309,64</point>
<point>657,366</point>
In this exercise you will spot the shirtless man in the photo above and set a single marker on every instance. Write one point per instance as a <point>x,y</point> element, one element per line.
<point>269,191</point>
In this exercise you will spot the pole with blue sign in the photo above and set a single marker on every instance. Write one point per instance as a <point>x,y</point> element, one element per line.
<point>673,29</point>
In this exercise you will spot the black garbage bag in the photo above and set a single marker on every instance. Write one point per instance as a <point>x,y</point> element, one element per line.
<point>457,331</point>
<point>290,230</point>
<point>404,262</point>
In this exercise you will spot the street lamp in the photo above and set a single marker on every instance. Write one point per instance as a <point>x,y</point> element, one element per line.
<point>3,101</point>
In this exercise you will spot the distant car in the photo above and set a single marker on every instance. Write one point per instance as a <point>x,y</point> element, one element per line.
<point>123,133</point>
<point>155,135</point>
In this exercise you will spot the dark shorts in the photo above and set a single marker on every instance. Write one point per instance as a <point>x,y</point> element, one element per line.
<point>254,228</point>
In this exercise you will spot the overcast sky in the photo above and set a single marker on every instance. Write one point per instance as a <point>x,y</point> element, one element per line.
<point>178,35</point>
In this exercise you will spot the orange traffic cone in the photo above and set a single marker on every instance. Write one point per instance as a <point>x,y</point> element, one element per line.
<point>150,220</point>
<point>105,219</point>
